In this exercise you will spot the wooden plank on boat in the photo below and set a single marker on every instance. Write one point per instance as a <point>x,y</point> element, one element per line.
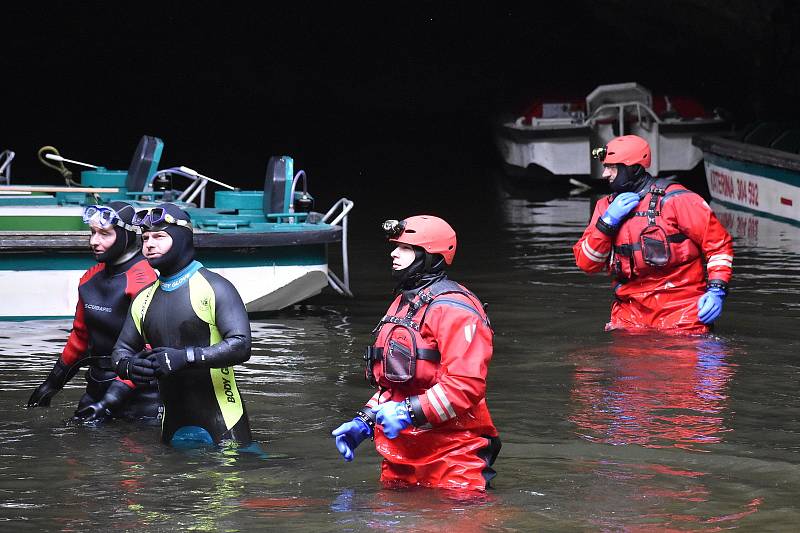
<point>323,235</point>
<point>44,240</point>
<point>79,240</point>
<point>55,188</point>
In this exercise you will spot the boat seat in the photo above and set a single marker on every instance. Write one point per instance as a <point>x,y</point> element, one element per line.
<point>144,163</point>
<point>788,141</point>
<point>764,134</point>
<point>277,184</point>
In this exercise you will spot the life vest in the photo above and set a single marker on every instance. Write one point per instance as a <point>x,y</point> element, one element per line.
<point>648,242</point>
<point>401,355</point>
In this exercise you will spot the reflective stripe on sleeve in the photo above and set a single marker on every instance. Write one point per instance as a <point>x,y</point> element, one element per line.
<point>434,401</point>
<point>437,389</point>
<point>594,255</point>
<point>720,260</point>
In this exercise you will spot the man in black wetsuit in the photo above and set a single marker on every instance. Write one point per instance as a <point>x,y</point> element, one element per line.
<point>198,327</point>
<point>104,295</point>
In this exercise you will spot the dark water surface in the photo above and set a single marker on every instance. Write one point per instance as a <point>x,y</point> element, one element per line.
<point>600,431</point>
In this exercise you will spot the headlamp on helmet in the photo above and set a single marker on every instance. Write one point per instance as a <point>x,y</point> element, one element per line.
<point>393,228</point>
<point>599,153</point>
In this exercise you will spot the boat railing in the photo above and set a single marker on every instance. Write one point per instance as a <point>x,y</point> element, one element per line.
<point>643,114</point>
<point>6,157</point>
<point>189,194</point>
<point>339,213</point>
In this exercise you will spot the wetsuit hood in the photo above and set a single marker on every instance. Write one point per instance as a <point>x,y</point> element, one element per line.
<point>127,243</point>
<point>182,251</point>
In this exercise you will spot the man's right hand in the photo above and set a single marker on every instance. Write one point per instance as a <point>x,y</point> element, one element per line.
<point>349,435</point>
<point>55,381</point>
<point>623,204</point>
<point>42,395</point>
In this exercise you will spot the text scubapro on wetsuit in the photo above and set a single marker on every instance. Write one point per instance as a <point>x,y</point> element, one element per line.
<point>98,308</point>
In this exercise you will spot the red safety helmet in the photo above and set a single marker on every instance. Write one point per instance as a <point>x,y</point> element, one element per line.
<point>627,150</point>
<point>430,233</point>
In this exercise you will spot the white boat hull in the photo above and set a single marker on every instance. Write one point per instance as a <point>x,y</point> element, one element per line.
<point>33,294</point>
<point>752,191</point>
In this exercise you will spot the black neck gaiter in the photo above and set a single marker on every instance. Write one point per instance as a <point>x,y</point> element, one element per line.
<point>629,178</point>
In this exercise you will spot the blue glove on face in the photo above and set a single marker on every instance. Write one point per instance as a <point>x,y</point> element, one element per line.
<point>165,361</point>
<point>622,205</point>
<point>349,435</point>
<point>709,305</point>
<point>394,418</point>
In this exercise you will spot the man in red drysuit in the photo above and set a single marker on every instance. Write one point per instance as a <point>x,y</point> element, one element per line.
<point>429,363</point>
<point>669,257</point>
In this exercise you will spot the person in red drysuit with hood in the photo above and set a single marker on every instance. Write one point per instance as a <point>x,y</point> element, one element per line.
<point>429,362</point>
<point>669,257</point>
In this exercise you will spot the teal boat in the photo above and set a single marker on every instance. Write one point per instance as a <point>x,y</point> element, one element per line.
<point>268,243</point>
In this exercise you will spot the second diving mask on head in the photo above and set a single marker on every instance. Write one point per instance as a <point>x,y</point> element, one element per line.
<point>393,228</point>
<point>158,216</point>
<point>106,217</point>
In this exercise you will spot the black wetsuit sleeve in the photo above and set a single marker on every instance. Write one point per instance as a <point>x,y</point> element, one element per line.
<point>233,325</point>
<point>129,342</point>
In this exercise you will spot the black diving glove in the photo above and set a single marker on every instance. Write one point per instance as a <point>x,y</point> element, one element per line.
<point>165,360</point>
<point>137,369</point>
<point>102,411</point>
<point>58,377</point>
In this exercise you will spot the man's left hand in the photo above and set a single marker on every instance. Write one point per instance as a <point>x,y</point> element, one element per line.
<point>166,361</point>
<point>709,305</point>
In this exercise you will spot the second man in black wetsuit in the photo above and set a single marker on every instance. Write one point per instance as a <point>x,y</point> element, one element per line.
<point>198,328</point>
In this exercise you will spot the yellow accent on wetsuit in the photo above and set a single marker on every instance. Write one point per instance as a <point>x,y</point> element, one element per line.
<point>202,297</point>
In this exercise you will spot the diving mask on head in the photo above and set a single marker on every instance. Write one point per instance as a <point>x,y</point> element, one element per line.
<point>158,216</point>
<point>106,217</point>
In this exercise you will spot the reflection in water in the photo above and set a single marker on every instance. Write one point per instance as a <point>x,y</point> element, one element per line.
<point>752,230</point>
<point>657,392</point>
<point>652,497</point>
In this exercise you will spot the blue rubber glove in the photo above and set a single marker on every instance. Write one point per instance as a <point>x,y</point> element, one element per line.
<point>394,418</point>
<point>709,305</point>
<point>622,205</point>
<point>165,360</point>
<point>349,435</point>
